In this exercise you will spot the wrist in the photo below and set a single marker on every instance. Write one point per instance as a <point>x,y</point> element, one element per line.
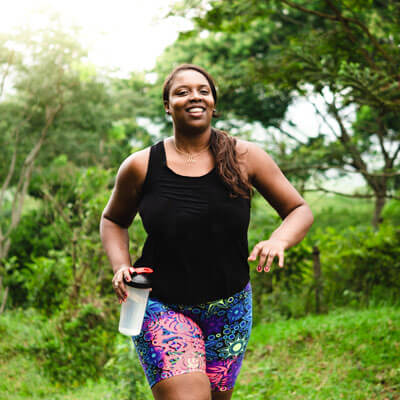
<point>120,267</point>
<point>286,243</point>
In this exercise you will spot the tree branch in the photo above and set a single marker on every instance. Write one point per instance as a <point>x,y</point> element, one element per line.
<point>345,139</point>
<point>289,135</point>
<point>363,27</point>
<point>381,133</point>
<point>396,153</point>
<point>340,18</point>
<point>354,195</point>
<point>318,112</point>
<point>24,180</point>
<point>308,11</point>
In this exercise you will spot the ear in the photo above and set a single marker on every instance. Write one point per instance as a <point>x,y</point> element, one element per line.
<point>166,107</point>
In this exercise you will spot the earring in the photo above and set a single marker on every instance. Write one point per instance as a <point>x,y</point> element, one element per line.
<point>168,112</point>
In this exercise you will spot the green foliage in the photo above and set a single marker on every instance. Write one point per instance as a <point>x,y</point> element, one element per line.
<point>361,265</point>
<point>81,347</point>
<point>345,54</point>
<point>57,246</point>
<point>45,281</point>
<point>391,212</point>
<point>124,368</point>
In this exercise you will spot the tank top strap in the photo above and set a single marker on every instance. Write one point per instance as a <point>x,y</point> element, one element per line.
<point>156,160</point>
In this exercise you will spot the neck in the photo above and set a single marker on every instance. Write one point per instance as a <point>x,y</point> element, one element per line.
<point>192,143</point>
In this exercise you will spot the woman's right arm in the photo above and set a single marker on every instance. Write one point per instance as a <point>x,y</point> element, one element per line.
<point>119,214</point>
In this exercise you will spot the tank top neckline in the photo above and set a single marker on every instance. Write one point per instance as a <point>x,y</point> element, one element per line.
<point>164,159</point>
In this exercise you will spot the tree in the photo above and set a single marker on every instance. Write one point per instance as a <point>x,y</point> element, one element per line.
<point>44,87</point>
<point>347,52</point>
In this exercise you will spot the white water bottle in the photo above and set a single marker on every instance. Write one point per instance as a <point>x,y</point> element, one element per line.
<point>132,311</point>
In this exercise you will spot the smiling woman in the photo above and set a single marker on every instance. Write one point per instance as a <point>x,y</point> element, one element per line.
<point>192,191</point>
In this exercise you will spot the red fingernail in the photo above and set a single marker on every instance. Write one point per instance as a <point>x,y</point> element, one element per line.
<point>266,269</point>
<point>259,269</point>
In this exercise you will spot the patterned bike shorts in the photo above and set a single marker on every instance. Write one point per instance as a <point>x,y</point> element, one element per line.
<point>210,337</point>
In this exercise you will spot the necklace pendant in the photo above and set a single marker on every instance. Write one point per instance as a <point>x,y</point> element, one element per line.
<point>190,159</point>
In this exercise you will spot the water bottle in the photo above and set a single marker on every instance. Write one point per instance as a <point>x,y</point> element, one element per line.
<point>132,311</point>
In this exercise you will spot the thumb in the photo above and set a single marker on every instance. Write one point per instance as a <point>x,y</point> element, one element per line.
<point>254,253</point>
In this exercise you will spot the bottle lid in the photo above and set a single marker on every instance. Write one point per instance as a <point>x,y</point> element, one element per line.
<point>141,278</point>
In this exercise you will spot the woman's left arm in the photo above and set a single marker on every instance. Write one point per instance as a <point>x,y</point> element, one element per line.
<point>297,217</point>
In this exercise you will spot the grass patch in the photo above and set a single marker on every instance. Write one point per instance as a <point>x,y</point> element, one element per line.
<point>344,355</point>
<point>347,354</point>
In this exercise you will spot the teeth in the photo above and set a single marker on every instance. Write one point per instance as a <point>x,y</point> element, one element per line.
<point>195,109</point>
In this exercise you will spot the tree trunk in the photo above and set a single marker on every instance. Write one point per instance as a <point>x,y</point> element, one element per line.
<point>379,204</point>
<point>317,279</point>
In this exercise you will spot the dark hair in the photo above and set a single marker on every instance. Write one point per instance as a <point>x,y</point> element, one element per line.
<point>222,145</point>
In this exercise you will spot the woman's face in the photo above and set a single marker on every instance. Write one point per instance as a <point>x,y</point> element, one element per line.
<point>191,102</point>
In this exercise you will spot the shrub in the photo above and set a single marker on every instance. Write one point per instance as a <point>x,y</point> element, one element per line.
<point>81,347</point>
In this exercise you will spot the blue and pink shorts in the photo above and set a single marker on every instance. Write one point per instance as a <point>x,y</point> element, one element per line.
<point>210,338</point>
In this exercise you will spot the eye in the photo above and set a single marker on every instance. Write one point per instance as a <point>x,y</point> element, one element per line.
<point>181,92</point>
<point>204,91</point>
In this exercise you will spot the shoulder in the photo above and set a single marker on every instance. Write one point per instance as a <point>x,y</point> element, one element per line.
<point>134,168</point>
<point>254,157</point>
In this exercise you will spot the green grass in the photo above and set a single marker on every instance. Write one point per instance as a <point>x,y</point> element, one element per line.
<point>329,210</point>
<point>339,211</point>
<point>343,355</point>
<point>347,354</point>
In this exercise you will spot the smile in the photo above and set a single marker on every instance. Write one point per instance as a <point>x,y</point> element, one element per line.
<point>195,110</point>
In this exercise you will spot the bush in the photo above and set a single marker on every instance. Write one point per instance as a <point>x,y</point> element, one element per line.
<point>357,262</point>
<point>81,347</point>
<point>125,370</point>
<point>46,281</point>
<point>359,266</point>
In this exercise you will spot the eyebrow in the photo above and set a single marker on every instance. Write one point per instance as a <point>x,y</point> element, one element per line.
<point>186,86</point>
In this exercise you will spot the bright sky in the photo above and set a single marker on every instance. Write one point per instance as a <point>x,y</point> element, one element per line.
<point>129,35</point>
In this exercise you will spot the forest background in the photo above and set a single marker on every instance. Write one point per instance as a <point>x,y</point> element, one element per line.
<point>66,125</point>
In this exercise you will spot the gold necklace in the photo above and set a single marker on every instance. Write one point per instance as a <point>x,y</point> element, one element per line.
<point>190,158</point>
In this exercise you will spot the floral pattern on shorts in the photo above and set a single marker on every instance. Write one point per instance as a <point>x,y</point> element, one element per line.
<point>210,337</point>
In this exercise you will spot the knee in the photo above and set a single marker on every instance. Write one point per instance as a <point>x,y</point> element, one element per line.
<point>192,386</point>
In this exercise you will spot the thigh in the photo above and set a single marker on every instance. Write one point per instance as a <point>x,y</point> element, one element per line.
<point>169,345</point>
<point>226,326</point>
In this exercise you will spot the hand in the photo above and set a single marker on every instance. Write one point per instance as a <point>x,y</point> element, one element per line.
<point>118,282</point>
<point>267,250</point>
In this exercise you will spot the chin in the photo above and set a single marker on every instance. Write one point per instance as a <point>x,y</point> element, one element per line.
<point>194,128</point>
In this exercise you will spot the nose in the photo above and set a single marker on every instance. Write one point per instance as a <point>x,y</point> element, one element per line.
<point>195,95</point>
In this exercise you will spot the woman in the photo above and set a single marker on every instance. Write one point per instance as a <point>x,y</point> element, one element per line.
<point>193,191</point>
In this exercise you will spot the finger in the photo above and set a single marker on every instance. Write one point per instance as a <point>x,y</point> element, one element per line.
<point>271,257</point>
<point>263,256</point>
<point>281,259</point>
<point>127,275</point>
<point>119,287</point>
<point>118,291</point>
<point>255,252</point>
<point>123,291</point>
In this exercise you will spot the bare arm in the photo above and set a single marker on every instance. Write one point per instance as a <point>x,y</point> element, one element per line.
<point>119,214</point>
<point>297,217</point>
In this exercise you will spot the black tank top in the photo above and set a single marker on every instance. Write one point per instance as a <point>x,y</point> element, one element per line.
<point>197,234</point>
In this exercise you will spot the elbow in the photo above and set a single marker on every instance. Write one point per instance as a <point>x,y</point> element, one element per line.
<point>309,215</point>
<point>107,219</point>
